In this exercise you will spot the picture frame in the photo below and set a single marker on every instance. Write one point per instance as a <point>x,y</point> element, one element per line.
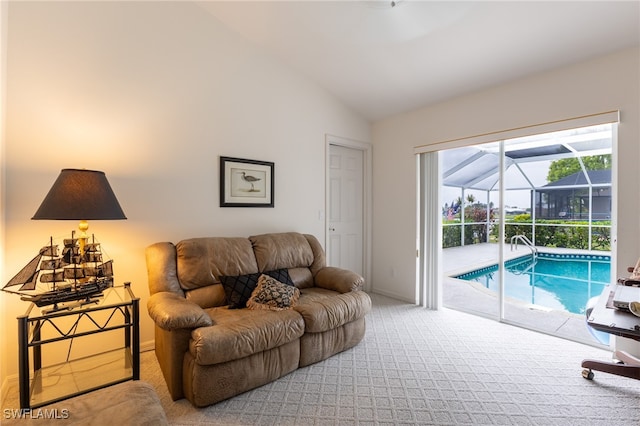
<point>246,183</point>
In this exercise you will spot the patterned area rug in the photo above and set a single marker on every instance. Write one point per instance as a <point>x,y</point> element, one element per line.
<point>420,367</point>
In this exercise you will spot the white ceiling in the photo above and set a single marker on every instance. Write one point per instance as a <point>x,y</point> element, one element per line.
<point>382,60</point>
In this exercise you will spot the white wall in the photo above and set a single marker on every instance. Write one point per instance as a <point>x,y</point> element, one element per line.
<point>3,74</point>
<point>152,93</point>
<point>599,85</point>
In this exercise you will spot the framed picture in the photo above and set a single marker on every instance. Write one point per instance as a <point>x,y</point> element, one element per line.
<point>246,183</point>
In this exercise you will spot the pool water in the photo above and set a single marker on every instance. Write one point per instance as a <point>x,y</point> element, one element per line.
<point>563,282</point>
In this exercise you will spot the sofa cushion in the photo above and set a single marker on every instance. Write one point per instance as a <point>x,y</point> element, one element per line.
<point>281,250</point>
<point>201,261</point>
<point>207,297</point>
<point>238,288</point>
<point>273,295</point>
<point>237,333</point>
<point>301,277</point>
<point>324,310</point>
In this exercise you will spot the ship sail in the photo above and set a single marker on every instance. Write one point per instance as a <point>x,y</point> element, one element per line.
<point>28,276</point>
<point>52,277</point>
<point>103,270</point>
<point>71,251</point>
<point>74,273</point>
<point>52,264</point>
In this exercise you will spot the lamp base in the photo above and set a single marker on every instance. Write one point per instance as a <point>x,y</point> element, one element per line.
<point>83,226</point>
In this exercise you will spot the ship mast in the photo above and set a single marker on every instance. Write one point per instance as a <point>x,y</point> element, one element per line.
<point>51,252</point>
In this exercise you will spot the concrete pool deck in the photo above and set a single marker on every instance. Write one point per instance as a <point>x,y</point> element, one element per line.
<point>473,298</point>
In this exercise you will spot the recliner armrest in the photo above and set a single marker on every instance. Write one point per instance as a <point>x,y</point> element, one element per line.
<point>171,312</point>
<point>162,269</point>
<point>338,279</point>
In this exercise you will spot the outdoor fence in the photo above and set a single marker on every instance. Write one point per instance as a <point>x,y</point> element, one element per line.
<point>585,235</point>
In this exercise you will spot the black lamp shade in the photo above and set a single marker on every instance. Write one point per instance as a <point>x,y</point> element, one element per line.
<point>80,194</point>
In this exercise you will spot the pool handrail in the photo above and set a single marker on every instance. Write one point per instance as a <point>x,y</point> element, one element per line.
<point>526,241</point>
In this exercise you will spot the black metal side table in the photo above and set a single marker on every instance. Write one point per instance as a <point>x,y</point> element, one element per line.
<point>103,360</point>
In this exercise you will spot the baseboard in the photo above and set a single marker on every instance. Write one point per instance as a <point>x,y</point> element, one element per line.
<point>393,296</point>
<point>147,346</point>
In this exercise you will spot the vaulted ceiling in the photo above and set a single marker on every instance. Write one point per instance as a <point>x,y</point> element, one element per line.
<point>382,58</point>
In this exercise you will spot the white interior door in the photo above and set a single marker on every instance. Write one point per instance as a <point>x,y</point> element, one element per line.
<point>346,201</point>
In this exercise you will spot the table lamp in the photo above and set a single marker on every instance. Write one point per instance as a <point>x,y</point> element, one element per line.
<point>77,194</point>
<point>80,194</point>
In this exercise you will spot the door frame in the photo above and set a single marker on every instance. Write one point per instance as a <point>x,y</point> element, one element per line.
<point>367,199</point>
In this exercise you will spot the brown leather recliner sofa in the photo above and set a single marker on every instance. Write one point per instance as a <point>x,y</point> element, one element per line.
<point>209,351</point>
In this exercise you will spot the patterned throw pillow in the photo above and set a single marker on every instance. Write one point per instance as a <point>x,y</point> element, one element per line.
<point>238,288</point>
<point>273,295</point>
<point>281,275</point>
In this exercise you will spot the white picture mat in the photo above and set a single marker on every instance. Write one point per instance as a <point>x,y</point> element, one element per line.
<point>239,190</point>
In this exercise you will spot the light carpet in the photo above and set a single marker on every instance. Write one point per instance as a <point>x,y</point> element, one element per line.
<point>420,367</point>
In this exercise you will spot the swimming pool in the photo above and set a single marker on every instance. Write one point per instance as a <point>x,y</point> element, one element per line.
<point>556,281</point>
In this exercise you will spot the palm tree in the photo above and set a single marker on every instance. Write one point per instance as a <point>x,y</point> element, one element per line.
<point>471,198</point>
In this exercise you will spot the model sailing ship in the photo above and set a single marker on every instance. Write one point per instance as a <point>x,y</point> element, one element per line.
<point>78,273</point>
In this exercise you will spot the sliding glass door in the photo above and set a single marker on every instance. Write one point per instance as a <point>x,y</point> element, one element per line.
<point>526,227</point>
<point>470,194</point>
